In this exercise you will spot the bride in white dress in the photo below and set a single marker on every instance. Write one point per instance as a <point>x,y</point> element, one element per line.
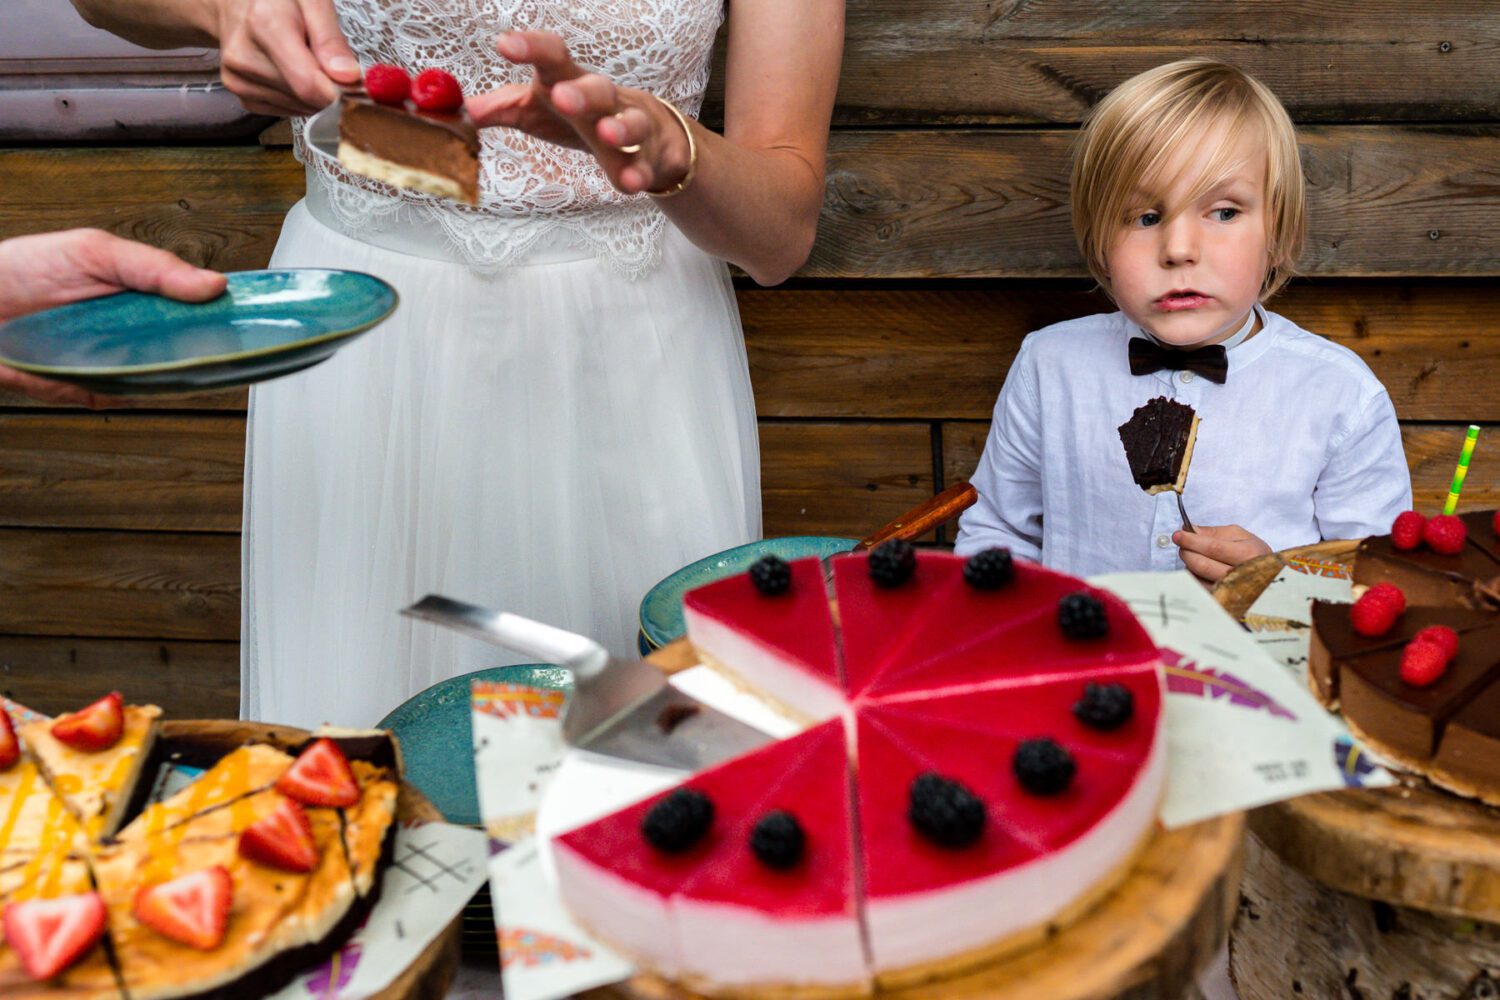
<point>559,412</point>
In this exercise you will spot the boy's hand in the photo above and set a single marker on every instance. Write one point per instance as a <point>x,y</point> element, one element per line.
<point>1211,552</point>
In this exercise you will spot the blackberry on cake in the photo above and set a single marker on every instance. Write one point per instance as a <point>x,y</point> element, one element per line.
<point>678,821</point>
<point>778,840</point>
<point>944,811</point>
<point>1043,766</point>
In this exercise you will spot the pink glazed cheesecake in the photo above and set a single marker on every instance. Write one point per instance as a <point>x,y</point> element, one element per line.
<point>986,758</point>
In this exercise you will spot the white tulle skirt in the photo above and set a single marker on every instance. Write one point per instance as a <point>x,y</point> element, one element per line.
<point>551,440</point>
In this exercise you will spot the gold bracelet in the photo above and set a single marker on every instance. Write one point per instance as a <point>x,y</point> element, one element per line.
<point>680,186</point>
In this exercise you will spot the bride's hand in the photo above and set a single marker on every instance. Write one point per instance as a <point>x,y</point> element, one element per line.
<point>283,57</point>
<point>637,140</point>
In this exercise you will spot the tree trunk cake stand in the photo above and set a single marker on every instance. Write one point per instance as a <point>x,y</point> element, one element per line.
<point>429,976</point>
<point>1147,940</point>
<point>1370,894</point>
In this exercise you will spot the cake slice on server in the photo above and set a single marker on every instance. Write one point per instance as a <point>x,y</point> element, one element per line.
<point>411,133</point>
<point>771,631</point>
<point>740,881</point>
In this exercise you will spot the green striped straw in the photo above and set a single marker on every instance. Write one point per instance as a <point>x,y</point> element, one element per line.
<point>1459,473</point>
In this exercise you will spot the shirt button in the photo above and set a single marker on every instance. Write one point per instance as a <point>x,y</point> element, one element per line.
<point>1162,541</point>
<point>1185,377</point>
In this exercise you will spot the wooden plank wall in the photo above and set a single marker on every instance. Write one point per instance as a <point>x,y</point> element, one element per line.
<point>944,239</point>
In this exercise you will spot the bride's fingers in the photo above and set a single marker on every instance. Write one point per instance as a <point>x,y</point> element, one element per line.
<point>587,96</point>
<point>542,49</point>
<point>635,178</point>
<point>624,129</point>
<point>502,106</point>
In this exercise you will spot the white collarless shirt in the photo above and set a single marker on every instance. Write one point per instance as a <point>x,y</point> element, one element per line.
<point>1300,444</point>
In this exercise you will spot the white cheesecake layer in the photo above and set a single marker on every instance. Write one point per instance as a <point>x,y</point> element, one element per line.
<point>763,670</point>
<point>732,946</point>
<point>917,928</point>
<point>632,919</point>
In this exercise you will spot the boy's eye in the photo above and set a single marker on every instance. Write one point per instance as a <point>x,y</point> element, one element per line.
<point>1148,219</point>
<point>1225,214</point>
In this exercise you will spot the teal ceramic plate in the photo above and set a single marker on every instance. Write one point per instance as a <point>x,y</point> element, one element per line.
<point>661,610</point>
<point>266,324</point>
<point>436,735</point>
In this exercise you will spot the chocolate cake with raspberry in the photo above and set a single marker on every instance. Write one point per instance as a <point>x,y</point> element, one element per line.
<point>1414,663</point>
<point>411,133</point>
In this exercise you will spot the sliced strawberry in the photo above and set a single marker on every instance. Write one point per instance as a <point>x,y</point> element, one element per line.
<point>10,747</point>
<point>191,910</point>
<point>320,776</point>
<point>284,839</point>
<point>95,727</point>
<point>51,934</point>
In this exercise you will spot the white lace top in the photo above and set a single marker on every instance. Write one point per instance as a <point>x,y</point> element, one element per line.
<point>530,191</point>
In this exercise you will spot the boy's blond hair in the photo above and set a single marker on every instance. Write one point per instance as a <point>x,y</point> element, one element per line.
<point>1131,134</point>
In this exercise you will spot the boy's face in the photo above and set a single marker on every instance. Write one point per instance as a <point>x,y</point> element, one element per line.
<point>1189,273</point>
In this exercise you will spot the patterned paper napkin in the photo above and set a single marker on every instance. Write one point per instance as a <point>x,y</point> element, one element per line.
<point>1241,732</point>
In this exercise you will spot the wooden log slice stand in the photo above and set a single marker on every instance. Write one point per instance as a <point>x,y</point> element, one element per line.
<point>1147,940</point>
<point>429,976</point>
<point>1378,894</point>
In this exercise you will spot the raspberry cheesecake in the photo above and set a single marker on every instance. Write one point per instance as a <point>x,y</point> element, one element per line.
<point>993,759</point>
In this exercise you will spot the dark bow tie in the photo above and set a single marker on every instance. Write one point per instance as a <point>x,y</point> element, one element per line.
<point>1147,356</point>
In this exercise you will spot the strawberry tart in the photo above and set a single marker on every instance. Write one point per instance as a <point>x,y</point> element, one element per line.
<point>256,869</point>
<point>984,759</point>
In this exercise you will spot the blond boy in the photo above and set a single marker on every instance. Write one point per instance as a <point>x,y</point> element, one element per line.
<point>1188,207</point>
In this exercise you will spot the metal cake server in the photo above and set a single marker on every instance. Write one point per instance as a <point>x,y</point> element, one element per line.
<point>621,708</point>
<point>321,133</point>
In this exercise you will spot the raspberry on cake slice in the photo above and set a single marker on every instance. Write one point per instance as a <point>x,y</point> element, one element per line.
<point>1337,636</point>
<point>771,630</point>
<point>1070,781</point>
<point>411,133</point>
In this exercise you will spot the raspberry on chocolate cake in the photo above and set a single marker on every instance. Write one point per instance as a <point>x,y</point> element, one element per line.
<point>425,141</point>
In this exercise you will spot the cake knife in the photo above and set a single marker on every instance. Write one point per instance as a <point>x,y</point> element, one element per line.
<point>619,708</point>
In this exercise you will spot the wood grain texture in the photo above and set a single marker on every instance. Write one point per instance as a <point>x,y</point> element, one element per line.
<point>187,679</point>
<point>842,479</point>
<point>1431,453</point>
<point>941,351</point>
<point>1410,845</point>
<point>126,470</point>
<point>1384,200</point>
<point>216,206</point>
<point>115,583</point>
<point>1012,62</point>
<point>1296,937</point>
<point>1145,941</point>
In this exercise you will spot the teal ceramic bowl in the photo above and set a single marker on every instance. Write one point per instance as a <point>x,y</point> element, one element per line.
<point>266,324</point>
<point>437,739</point>
<point>661,609</point>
